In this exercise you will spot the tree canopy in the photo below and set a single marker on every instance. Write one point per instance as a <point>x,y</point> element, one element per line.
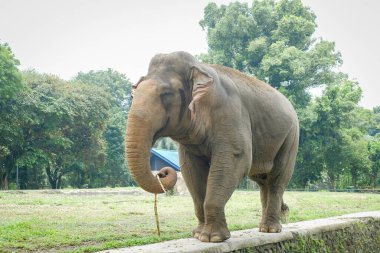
<point>60,133</point>
<point>272,41</point>
<point>10,77</point>
<point>113,82</point>
<point>119,87</point>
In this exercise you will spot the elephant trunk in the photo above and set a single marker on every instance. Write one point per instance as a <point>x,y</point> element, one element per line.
<point>139,140</point>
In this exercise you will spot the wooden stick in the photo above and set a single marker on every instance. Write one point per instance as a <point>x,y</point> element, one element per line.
<point>156,215</point>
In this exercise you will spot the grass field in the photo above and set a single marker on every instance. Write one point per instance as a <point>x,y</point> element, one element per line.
<point>93,220</point>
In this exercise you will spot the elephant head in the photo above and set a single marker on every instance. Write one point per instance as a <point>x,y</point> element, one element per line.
<point>164,104</point>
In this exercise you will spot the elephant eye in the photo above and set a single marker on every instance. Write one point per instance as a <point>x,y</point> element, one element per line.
<point>166,93</point>
<point>166,98</point>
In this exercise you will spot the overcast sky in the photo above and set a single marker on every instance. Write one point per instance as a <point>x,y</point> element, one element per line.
<point>64,37</point>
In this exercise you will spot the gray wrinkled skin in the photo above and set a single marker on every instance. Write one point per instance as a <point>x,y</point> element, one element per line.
<point>228,126</point>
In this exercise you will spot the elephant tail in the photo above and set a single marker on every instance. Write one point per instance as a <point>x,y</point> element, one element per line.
<point>284,212</point>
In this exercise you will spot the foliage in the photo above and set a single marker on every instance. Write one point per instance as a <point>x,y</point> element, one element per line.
<point>333,137</point>
<point>166,143</point>
<point>114,172</point>
<point>273,41</point>
<point>355,152</point>
<point>53,125</point>
<point>10,77</point>
<point>308,169</point>
<point>374,156</point>
<point>334,122</point>
<point>375,127</point>
<point>65,133</point>
<point>113,82</point>
<point>73,119</point>
<point>10,86</point>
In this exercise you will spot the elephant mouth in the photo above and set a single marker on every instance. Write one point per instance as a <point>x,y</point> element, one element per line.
<point>159,132</point>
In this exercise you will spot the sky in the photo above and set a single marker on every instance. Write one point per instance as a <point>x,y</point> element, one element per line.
<point>64,37</point>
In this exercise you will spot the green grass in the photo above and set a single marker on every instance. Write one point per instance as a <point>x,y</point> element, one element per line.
<point>92,220</point>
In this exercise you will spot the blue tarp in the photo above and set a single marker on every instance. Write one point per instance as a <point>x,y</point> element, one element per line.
<point>162,158</point>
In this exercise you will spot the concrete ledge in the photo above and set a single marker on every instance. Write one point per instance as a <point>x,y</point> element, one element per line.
<point>329,235</point>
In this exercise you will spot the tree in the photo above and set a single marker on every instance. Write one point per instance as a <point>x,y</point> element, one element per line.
<point>309,165</point>
<point>356,156</point>
<point>114,171</point>
<point>375,127</point>
<point>10,86</point>
<point>115,83</point>
<point>10,77</point>
<point>334,114</point>
<point>272,41</point>
<point>119,87</point>
<point>64,126</point>
<point>374,155</point>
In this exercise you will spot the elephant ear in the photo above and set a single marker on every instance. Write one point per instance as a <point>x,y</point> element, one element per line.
<point>202,82</point>
<point>134,87</point>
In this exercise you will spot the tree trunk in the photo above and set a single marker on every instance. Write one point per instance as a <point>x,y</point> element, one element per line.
<point>304,183</point>
<point>331,177</point>
<point>374,179</point>
<point>58,182</point>
<point>54,179</point>
<point>9,163</point>
<point>4,181</point>
<point>355,182</point>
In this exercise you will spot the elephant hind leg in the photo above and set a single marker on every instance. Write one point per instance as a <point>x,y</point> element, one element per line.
<point>264,195</point>
<point>276,182</point>
<point>261,180</point>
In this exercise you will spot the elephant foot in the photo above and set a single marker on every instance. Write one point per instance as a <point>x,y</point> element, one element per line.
<point>214,233</point>
<point>197,231</point>
<point>270,227</point>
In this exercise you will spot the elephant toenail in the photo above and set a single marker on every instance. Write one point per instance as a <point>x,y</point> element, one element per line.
<point>216,238</point>
<point>204,238</point>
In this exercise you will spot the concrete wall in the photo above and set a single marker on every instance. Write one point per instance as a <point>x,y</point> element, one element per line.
<point>357,233</point>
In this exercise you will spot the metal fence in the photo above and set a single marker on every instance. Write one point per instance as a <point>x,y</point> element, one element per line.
<point>337,190</point>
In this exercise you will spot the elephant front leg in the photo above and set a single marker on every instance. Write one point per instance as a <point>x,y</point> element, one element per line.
<point>215,228</point>
<point>225,174</point>
<point>195,172</point>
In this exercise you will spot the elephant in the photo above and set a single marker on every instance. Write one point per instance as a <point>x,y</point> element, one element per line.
<point>228,125</point>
